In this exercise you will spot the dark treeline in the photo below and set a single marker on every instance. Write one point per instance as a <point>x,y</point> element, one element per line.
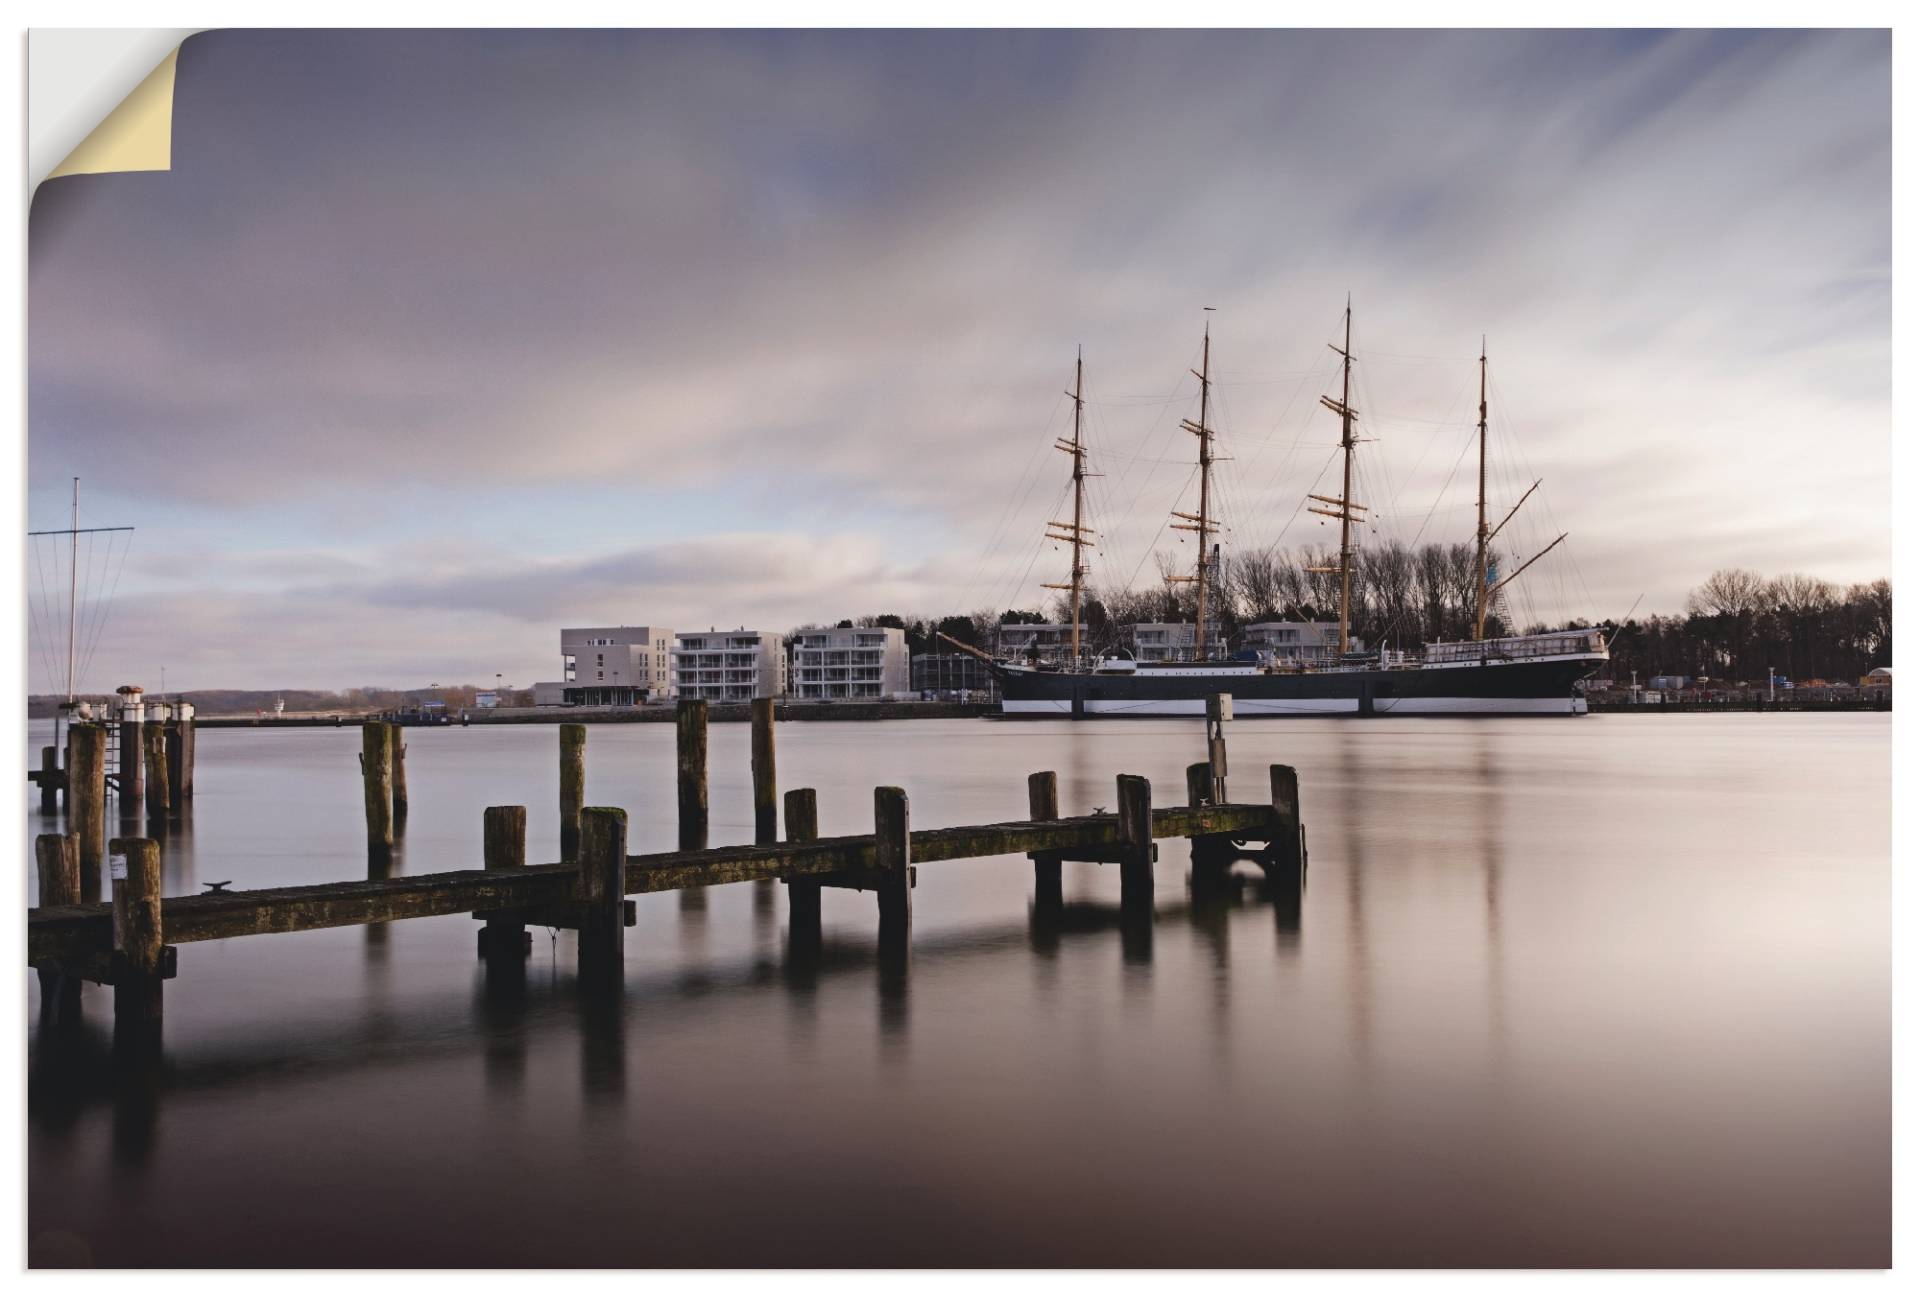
<point>1402,597</point>
<point>1736,623</point>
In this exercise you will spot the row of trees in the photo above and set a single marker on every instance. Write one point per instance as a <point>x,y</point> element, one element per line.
<point>1736,624</point>
<point>1401,597</point>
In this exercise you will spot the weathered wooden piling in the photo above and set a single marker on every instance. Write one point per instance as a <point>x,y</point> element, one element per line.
<point>376,773</point>
<point>58,861</point>
<point>766,803</point>
<point>1199,783</point>
<point>602,891</point>
<point>399,742</point>
<point>1043,803</point>
<point>180,761</point>
<point>129,765</point>
<point>138,942</point>
<point>49,780</point>
<point>504,846</point>
<point>159,790</point>
<point>803,894</point>
<point>1287,838</point>
<point>573,787</point>
<point>1212,857</point>
<point>690,732</point>
<point>892,863</point>
<point>1136,840</point>
<point>87,802</point>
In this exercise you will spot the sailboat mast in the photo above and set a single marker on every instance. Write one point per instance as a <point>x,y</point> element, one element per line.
<point>1201,524</point>
<point>1206,478</point>
<point>1343,506</point>
<point>73,582</point>
<point>1346,484</point>
<point>1074,533</point>
<point>1480,596</point>
<point>1079,506</point>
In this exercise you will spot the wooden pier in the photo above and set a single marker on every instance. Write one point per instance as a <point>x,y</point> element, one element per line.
<point>130,942</point>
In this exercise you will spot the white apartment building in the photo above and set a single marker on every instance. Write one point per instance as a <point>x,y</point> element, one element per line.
<point>845,662</point>
<point>1307,642</point>
<point>1172,641</point>
<point>729,666</point>
<point>610,666</point>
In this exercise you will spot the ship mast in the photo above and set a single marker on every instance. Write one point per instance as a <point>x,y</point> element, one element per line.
<point>1074,533</point>
<point>1480,533</point>
<point>1487,587</point>
<point>1201,524</point>
<point>1343,507</point>
<point>73,583</point>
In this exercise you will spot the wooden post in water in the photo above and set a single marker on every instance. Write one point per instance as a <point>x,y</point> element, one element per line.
<point>602,891</point>
<point>766,803</point>
<point>49,780</point>
<point>690,726</point>
<point>504,846</point>
<point>180,759</point>
<point>573,787</point>
<point>1287,839</point>
<point>376,773</point>
<point>159,793</point>
<point>399,742</point>
<point>87,802</point>
<point>892,863</point>
<point>803,894</point>
<point>1199,783</point>
<point>130,766</point>
<point>1136,841</point>
<point>1210,858</point>
<point>1043,803</point>
<point>137,941</point>
<point>58,863</point>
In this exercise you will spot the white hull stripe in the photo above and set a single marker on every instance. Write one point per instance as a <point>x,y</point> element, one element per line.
<point>1300,707</point>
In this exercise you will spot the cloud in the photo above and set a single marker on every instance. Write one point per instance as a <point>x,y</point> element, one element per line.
<point>406,288</point>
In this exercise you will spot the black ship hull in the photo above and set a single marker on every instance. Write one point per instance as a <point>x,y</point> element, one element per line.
<point>1540,687</point>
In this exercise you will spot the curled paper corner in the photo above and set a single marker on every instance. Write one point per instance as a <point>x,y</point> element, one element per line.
<point>136,136</point>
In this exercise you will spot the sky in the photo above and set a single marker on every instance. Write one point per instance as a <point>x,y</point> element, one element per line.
<point>431,343</point>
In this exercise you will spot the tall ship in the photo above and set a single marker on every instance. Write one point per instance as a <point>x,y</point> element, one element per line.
<point>1502,675</point>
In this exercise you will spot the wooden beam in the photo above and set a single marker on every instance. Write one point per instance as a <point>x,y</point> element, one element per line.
<point>87,802</point>
<point>803,894</point>
<point>1043,803</point>
<point>766,804</point>
<point>573,787</point>
<point>690,726</point>
<point>55,931</point>
<point>1135,825</point>
<point>376,776</point>
<point>892,859</point>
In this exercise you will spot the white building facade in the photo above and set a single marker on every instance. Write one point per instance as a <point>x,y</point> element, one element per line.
<point>843,663</point>
<point>729,666</point>
<point>1172,641</point>
<point>1310,643</point>
<point>610,666</point>
<point>1036,641</point>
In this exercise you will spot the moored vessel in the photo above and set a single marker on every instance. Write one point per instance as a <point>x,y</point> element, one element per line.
<point>1504,675</point>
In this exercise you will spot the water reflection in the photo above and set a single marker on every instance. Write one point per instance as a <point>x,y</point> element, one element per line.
<point>511,1016</point>
<point>1506,1007</point>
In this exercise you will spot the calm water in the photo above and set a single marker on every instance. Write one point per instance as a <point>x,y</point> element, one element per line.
<point>1601,992</point>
